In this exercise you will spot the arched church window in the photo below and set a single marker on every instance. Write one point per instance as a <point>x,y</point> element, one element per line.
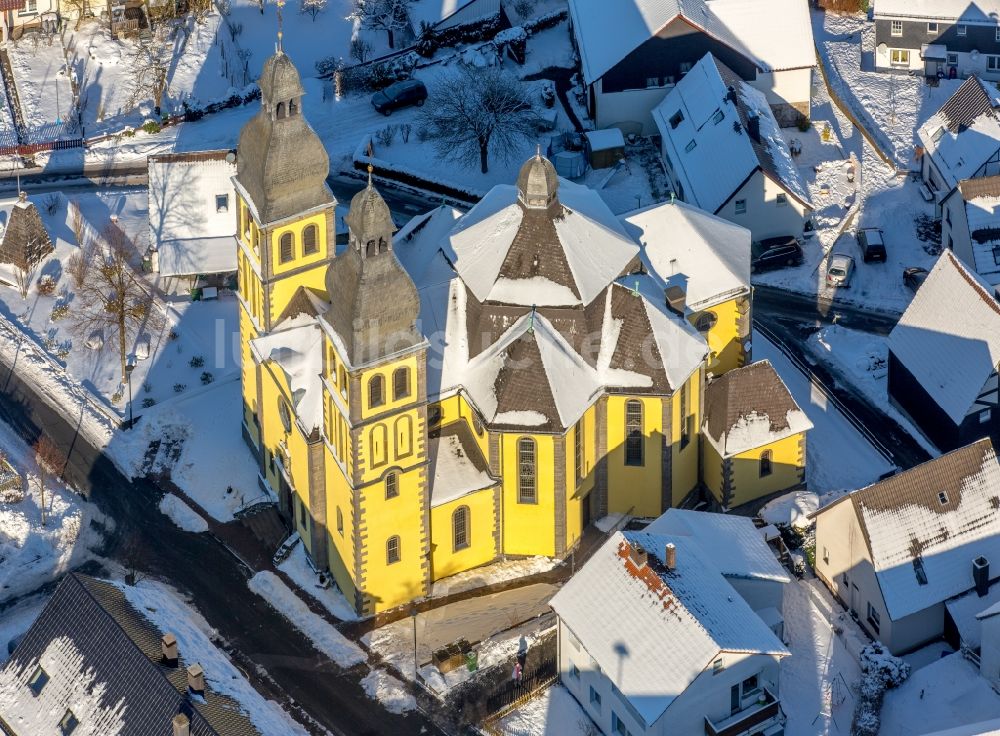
<point>370,248</point>
<point>382,246</point>
<point>310,240</point>
<point>376,391</point>
<point>286,247</point>
<point>293,108</point>
<point>279,111</point>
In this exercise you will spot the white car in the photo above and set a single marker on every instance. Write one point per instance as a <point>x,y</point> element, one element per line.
<point>839,271</point>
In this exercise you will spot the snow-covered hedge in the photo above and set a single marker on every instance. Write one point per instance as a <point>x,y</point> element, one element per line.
<point>882,671</point>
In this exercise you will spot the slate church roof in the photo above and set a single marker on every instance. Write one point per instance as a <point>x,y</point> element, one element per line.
<point>25,239</point>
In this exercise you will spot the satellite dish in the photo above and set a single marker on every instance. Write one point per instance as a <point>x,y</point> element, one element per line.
<point>231,157</point>
<point>882,49</point>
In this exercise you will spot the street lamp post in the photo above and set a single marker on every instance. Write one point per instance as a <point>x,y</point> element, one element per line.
<point>413,614</point>
<point>129,367</point>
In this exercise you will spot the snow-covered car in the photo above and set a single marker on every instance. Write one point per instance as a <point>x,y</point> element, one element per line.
<point>913,277</point>
<point>872,244</point>
<point>840,271</point>
<point>400,94</point>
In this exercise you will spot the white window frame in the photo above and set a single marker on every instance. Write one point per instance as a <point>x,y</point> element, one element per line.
<point>895,28</point>
<point>781,200</point>
<point>899,57</point>
<point>993,62</point>
<point>962,29</point>
<point>740,206</point>
<point>932,27</point>
<point>952,59</point>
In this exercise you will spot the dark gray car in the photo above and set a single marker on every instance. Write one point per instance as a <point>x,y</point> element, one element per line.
<point>400,94</point>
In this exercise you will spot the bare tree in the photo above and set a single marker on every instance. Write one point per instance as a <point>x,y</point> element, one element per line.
<point>478,113</point>
<point>112,297</point>
<point>147,64</point>
<point>25,264</point>
<point>312,7</point>
<point>360,49</point>
<point>51,461</point>
<point>78,8</point>
<point>383,15</point>
<point>133,557</point>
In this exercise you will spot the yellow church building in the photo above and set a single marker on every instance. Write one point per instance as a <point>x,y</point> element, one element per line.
<point>476,385</point>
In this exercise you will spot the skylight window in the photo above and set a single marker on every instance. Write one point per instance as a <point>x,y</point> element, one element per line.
<point>938,133</point>
<point>691,145</point>
<point>676,119</point>
<point>717,118</point>
<point>942,498</point>
<point>68,723</point>
<point>38,680</point>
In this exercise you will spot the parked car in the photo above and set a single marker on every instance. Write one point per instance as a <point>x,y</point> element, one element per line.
<point>775,253</point>
<point>400,94</point>
<point>840,270</point>
<point>914,276</point>
<point>872,245</point>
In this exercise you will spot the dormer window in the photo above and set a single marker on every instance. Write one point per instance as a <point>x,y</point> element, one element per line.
<point>942,498</point>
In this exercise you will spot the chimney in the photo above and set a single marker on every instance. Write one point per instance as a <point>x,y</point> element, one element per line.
<point>731,94</point>
<point>168,647</point>
<point>638,555</point>
<point>670,556</point>
<point>196,679</point>
<point>981,575</point>
<point>182,725</point>
<point>753,125</point>
<point>676,299</point>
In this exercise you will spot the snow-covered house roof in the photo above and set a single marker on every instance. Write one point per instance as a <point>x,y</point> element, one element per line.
<point>192,212</point>
<point>982,213</point>
<point>732,543</point>
<point>968,11</point>
<point>750,407</point>
<point>683,245</point>
<point>982,728</point>
<point>949,337</point>
<point>924,527</point>
<point>964,133</point>
<point>778,39</point>
<point>968,609</point>
<point>558,256</point>
<point>103,661</point>
<point>715,140</point>
<point>653,630</point>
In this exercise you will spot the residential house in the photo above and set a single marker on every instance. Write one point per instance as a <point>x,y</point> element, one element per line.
<point>724,152</point>
<point>754,437</point>
<point>895,552</point>
<point>958,142</point>
<point>192,216</point>
<point>989,644</point>
<point>740,551</point>
<point>943,356</point>
<point>938,37</point>
<point>20,16</point>
<point>652,639</point>
<point>982,728</point>
<point>92,663</point>
<point>656,43</point>
<point>974,233</point>
<point>705,263</point>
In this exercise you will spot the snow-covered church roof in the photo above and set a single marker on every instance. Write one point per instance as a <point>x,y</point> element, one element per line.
<point>653,630</point>
<point>780,38</point>
<point>709,139</point>
<point>563,254</point>
<point>750,407</point>
<point>707,256</point>
<point>926,525</point>
<point>949,336</point>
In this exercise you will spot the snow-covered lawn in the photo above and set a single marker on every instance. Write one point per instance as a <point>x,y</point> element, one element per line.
<point>817,678</point>
<point>214,466</point>
<point>31,554</point>
<point>861,360</point>
<point>387,690</point>
<point>168,611</point>
<point>498,572</point>
<point>553,712</point>
<point>324,637</point>
<point>17,619</point>
<point>891,106</point>
<point>832,438</point>
<point>182,515</point>
<point>946,693</point>
<point>297,567</point>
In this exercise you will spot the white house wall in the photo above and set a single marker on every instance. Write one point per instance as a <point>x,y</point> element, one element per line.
<point>764,217</point>
<point>631,106</point>
<point>989,654</point>
<point>708,695</point>
<point>955,229</point>
<point>786,87</point>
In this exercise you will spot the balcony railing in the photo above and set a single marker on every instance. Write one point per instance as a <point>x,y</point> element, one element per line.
<point>749,720</point>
